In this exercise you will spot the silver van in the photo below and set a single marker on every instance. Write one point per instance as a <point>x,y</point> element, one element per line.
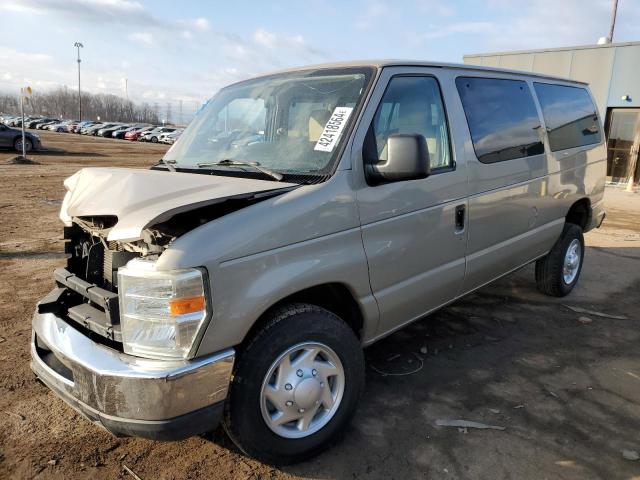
<point>302,216</point>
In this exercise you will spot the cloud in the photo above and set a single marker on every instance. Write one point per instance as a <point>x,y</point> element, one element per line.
<point>95,11</point>
<point>435,7</point>
<point>201,24</point>
<point>550,23</point>
<point>295,44</point>
<point>193,26</point>
<point>466,28</point>
<point>264,38</point>
<point>8,55</point>
<point>142,38</point>
<point>375,12</point>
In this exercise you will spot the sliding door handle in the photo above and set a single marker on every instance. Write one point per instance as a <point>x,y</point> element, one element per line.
<point>460,220</point>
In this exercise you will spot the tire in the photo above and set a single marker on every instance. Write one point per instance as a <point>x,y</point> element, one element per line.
<point>551,276</point>
<point>154,139</point>
<point>246,408</point>
<point>17,145</point>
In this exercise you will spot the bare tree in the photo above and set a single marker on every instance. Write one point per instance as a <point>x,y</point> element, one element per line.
<point>61,103</point>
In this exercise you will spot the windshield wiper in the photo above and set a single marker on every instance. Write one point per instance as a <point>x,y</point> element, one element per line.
<point>169,163</point>
<point>227,162</point>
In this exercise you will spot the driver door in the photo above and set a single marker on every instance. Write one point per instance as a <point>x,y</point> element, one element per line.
<point>415,231</point>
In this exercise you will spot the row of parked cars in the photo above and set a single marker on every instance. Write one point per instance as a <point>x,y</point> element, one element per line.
<point>142,132</point>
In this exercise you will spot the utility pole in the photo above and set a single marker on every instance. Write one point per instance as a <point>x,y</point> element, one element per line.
<point>614,12</point>
<point>126,88</point>
<point>24,91</point>
<point>78,45</point>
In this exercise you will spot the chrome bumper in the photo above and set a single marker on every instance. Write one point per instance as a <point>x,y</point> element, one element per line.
<point>160,399</point>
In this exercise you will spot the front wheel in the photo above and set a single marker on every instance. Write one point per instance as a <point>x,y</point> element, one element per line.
<point>558,272</point>
<point>296,385</point>
<point>17,145</point>
<point>154,139</point>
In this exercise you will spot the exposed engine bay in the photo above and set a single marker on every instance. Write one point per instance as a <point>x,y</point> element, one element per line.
<point>96,259</point>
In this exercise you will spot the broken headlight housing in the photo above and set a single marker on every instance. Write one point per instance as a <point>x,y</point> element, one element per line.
<point>161,312</point>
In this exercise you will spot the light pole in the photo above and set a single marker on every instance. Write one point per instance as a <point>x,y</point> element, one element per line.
<point>612,25</point>
<point>78,45</point>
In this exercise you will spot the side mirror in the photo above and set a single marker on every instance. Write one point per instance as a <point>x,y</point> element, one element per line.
<point>407,159</point>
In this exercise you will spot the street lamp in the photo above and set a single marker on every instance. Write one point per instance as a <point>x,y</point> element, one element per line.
<point>78,45</point>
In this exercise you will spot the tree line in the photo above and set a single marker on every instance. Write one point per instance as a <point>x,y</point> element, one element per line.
<point>63,103</point>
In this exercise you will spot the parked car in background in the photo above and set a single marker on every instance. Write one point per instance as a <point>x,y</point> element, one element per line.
<point>60,127</point>
<point>45,125</point>
<point>81,125</point>
<point>153,135</point>
<point>34,122</point>
<point>7,119</point>
<point>17,121</point>
<point>170,137</point>
<point>71,126</point>
<point>106,131</point>
<point>12,138</point>
<point>119,134</point>
<point>133,135</point>
<point>93,130</point>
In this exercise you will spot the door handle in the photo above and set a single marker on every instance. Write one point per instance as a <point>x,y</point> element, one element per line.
<point>460,214</point>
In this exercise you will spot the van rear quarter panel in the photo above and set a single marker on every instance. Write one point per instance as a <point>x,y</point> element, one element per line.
<point>517,207</point>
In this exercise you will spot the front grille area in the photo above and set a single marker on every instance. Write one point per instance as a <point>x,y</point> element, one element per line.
<point>94,260</point>
<point>86,294</point>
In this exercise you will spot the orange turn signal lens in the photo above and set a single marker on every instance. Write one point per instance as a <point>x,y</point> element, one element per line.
<point>181,306</point>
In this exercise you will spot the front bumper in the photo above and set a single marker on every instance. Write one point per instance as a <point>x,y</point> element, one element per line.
<point>35,143</point>
<point>127,395</point>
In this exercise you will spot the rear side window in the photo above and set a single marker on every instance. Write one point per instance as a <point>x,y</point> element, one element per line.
<point>502,118</point>
<point>569,115</point>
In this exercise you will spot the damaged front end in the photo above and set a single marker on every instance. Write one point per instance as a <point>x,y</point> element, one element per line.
<point>113,216</point>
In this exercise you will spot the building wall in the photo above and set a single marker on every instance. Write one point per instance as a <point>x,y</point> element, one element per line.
<point>612,70</point>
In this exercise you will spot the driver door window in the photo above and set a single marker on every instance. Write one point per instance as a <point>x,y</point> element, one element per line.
<point>412,105</point>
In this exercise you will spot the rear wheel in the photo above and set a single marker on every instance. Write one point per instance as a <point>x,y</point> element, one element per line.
<point>558,272</point>
<point>295,386</point>
<point>17,145</point>
<point>154,139</point>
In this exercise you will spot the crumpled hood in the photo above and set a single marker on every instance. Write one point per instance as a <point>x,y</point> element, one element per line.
<point>140,198</point>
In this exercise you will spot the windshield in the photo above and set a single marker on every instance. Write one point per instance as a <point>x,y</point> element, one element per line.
<point>289,123</point>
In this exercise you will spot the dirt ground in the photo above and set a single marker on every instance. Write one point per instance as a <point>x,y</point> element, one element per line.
<point>565,385</point>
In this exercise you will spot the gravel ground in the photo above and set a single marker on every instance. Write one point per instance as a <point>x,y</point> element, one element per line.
<point>565,385</point>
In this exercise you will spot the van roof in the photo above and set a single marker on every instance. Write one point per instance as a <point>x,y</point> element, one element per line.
<point>421,63</point>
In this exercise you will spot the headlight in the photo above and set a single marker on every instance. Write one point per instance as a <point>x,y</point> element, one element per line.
<point>161,313</point>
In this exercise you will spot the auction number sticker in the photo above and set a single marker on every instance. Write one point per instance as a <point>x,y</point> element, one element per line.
<point>333,129</point>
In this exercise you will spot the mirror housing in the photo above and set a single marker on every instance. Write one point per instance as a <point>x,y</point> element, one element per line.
<point>407,159</point>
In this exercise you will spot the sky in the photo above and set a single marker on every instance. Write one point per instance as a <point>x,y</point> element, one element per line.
<point>184,50</point>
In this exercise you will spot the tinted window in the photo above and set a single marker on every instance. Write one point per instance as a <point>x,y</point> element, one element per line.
<point>502,118</point>
<point>412,105</point>
<point>569,115</point>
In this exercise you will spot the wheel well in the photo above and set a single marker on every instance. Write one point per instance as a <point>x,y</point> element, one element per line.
<point>580,213</point>
<point>335,297</point>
